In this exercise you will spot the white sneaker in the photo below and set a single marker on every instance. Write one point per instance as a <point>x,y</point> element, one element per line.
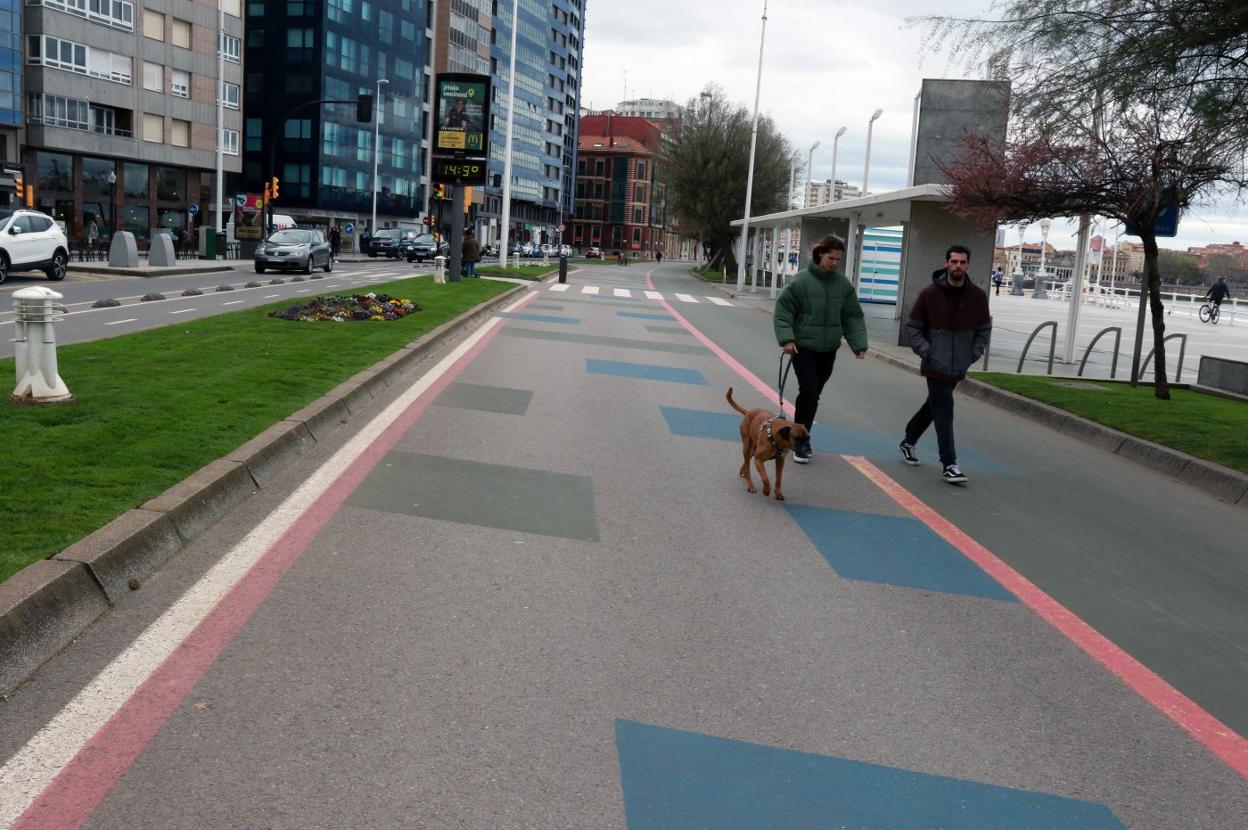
<point>953,475</point>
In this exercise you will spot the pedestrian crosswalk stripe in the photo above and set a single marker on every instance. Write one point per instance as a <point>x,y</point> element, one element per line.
<point>686,298</point>
<point>719,301</point>
<point>590,289</point>
<point>560,287</point>
<point>653,295</point>
<point>623,292</point>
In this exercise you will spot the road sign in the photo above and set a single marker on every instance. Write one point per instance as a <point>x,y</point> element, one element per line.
<point>559,229</point>
<point>350,229</point>
<point>192,208</point>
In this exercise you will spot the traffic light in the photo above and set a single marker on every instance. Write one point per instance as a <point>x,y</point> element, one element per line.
<point>268,192</point>
<point>439,191</point>
<point>273,186</point>
<point>20,184</point>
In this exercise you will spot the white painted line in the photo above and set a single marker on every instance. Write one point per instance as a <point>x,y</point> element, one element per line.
<point>29,771</point>
<point>560,286</point>
<point>270,296</point>
<point>719,301</point>
<point>119,322</point>
<point>334,285</point>
<point>303,290</point>
<point>686,298</point>
<point>590,289</point>
<point>183,311</point>
<point>233,302</point>
<point>623,292</point>
<point>653,295</point>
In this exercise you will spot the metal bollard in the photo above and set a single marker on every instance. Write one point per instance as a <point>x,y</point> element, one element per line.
<point>35,347</point>
<point>439,270</point>
<point>563,269</point>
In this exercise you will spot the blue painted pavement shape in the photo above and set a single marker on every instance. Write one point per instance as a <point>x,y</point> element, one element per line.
<point>539,318</point>
<point>644,371</point>
<point>641,315</point>
<point>872,443</point>
<point>675,780</point>
<point>894,551</point>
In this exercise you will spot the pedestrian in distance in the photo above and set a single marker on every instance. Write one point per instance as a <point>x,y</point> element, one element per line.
<point>998,278</point>
<point>470,253</point>
<point>948,329</point>
<point>658,257</point>
<point>335,241</point>
<point>815,311</point>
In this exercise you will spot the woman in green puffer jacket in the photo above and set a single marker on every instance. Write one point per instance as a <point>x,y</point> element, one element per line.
<point>814,311</point>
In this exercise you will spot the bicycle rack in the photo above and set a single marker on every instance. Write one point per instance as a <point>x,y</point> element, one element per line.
<point>1052,345</point>
<point>1178,372</point>
<point>1113,369</point>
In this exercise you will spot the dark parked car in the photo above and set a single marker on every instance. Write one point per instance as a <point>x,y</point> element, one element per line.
<point>299,248</point>
<point>387,242</point>
<point>423,247</point>
<point>593,253</point>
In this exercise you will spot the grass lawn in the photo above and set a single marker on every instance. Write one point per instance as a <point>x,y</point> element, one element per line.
<point>705,272</point>
<point>524,272</point>
<point>1205,426</point>
<point>155,406</point>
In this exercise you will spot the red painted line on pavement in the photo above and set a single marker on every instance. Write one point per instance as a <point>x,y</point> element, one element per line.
<point>751,378</point>
<point>71,797</point>
<point>1219,738</point>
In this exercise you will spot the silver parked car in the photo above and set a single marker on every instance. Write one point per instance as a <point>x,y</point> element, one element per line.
<point>301,248</point>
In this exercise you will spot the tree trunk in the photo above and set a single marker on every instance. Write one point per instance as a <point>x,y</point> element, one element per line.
<point>1161,386</point>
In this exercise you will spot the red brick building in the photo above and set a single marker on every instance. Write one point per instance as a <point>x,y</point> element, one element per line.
<point>621,203</point>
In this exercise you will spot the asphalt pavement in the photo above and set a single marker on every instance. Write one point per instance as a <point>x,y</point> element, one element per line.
<point>533,592</point>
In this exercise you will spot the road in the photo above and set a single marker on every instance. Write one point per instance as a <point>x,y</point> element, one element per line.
<point>533,592</point>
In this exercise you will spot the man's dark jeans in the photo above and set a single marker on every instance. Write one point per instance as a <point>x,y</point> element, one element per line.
<point>939,408</point>
<point>813,370</point>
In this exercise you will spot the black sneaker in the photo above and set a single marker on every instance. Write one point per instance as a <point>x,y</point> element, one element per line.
<point>907,454</point>
<point>953,475</point>
<point>802,452</point>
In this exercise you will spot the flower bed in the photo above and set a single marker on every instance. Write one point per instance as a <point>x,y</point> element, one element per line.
<point>341,309</point>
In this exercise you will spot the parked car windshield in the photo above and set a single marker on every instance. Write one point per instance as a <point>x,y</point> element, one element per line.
<point>388,232</point>
<point>289,237</point>
<point>424,239</point>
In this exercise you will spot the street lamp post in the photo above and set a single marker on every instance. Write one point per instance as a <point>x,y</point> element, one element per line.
<point>810,165</point>
<point>835,141</point>
<point>376,149</point>
<point>749,180</point>
<point>112,204</point>
<point>866,170</point>
<point>1040,292</point>
<point>505,230</point>
<point>1113,270</point>
<point>1016,279</point>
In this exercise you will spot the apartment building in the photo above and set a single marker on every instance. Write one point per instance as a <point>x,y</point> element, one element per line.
<point>10,101</point>
<point>121,110</point>
<point>828,191</point>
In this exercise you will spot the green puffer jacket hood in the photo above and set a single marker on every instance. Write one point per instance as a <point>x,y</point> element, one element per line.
<point>816,309</point>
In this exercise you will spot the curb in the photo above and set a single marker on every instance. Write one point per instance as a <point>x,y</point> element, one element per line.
<point>149,271</point>
<point>45,606</point>
<point>1223,483</point>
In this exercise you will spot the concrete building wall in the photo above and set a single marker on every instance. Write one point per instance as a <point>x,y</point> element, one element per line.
<point>949,110</point>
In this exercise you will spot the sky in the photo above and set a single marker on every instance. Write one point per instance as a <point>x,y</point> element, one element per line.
<point>826,64</point>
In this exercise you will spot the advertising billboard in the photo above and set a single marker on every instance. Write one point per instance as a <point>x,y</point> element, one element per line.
<point>462,108</point>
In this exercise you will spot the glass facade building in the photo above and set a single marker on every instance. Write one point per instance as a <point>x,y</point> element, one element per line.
<point>304,51</point>
<point>10,99</point>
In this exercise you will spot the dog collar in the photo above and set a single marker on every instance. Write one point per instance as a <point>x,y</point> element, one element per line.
<point>770,437</point>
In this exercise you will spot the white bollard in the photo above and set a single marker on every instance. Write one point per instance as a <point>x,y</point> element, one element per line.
<point>35,347</point>
<point>439,270</point>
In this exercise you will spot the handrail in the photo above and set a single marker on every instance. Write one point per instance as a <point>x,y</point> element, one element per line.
<point>1113,369</point>
<point>1052,345</point>
<point>1178,372</point>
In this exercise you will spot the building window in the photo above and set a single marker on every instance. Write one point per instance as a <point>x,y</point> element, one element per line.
<point>180,83</point>
<point>55,111</point>
<point>57,53</point>
<point>170,184</point>
<point>636,236</point>
<point>232,7</point>
<point>134,181</point>
<point>180,34</point>
<point>232,47</point>
<point>180,132</point>
<point>116,13</point>
<point>230,96</point>
<point>153,25</point>
<point>639,193</point>
<point>104,120</point>
<point>153,128</point>
<point>229,142</point>
<point>153,76</point>
<point>641,169</point>
<point>54,172</point>
<point>636,216</point>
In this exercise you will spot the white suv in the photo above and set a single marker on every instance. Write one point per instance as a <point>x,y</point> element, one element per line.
<point>32,241</point>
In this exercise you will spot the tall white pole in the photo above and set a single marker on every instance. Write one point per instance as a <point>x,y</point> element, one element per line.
<point>505,231</point>
<point>220,223</point>
<point>866,170</point>
<point>433,124</point>
<point>835,141</point>
<point>810,170</point>
<point>749,181</point>
<point>1076,290</point>
<point>376,149</point>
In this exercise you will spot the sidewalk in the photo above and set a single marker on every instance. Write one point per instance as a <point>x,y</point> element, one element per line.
<point>186,266</point>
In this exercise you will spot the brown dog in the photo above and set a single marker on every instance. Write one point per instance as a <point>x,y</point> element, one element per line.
<point>763,437</point>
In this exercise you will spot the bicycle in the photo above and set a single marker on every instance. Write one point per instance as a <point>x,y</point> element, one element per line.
<point>1209,312</point>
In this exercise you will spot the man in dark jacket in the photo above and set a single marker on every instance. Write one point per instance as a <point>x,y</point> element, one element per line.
<point>1218,292</point>
<point>948,328</point>
<point>470,252</point>
<point>814,311</point>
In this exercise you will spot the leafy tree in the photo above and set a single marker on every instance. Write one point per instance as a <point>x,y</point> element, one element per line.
<point>1179,268</point>
<point>706,162</point>
<point>1120,108</point>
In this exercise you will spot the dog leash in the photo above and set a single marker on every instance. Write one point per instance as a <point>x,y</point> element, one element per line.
<point>784,376</point>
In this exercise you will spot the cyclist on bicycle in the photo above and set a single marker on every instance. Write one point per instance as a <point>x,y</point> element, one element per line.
<point>1218,292</point>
